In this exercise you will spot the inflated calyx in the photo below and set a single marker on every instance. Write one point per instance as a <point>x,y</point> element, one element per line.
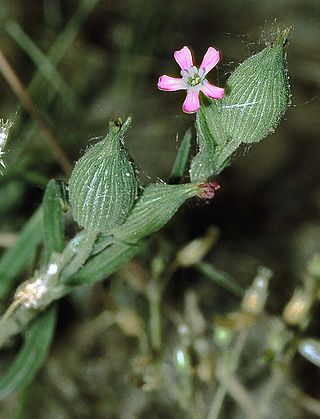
<point>103,185</point>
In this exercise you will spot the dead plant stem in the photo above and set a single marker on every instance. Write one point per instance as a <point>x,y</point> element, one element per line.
<point>20,91</point>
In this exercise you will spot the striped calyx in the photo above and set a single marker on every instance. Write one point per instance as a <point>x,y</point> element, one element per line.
<point>156,206</point>
<point>257,96</point>
<point>103,185</point>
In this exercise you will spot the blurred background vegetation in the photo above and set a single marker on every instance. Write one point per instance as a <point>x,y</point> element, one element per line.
<point>85,62</point>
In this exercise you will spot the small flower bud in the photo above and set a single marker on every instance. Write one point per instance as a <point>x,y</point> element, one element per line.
<point>208,190</point>
<point>297,308</point>
<point>255,297</point>
<point>195,251</point>
<point>129,322</point>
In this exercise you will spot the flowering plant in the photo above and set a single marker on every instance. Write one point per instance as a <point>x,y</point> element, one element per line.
<point>115,214</point>
<point>193,79</point>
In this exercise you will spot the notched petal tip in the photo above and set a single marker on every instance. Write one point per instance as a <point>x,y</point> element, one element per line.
<point>184,58</point>
<point>191,103</point>
<point>210,60</point>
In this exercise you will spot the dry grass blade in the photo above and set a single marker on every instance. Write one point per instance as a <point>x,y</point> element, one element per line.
<point>22,94</point>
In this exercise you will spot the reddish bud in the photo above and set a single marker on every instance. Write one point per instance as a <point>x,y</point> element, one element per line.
<point>208,190</point>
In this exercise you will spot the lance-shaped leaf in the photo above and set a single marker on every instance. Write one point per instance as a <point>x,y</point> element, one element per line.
<point>38,337</point>
<point>103,264</point>
<point>31,356</point>
<point>16,257</point>
<point>257,96</point>
<point>52,217</point>
<point>182,157</point>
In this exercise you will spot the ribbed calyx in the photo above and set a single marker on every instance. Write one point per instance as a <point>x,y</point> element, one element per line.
<point>256,98</point>
<point>103,185</point>
<point>155,207</point>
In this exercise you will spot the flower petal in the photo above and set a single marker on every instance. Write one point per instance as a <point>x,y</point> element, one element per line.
<point>168,83</point>
<point>183,58</point>
<point>210,59</point>
<point>192,102</point>
<point>212,91</point>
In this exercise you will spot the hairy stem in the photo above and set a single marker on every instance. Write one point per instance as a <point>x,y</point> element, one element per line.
<point>83,252</point>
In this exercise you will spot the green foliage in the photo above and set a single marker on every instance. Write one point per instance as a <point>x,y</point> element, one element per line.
<point>15,258</point>
<point>39,335</point>
<point>182,157</point>
<point>103,264</point>
<point>52,222</point>
<point>153,210</point>
<point>31,356</point>
<point>257,96</point>
<point>223,130</point>
<point>103,185</point>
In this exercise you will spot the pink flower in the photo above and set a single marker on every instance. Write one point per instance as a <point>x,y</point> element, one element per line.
<point>193,79</point>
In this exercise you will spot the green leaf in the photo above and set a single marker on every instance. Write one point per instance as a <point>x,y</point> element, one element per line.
<point>153,209</point>
<point>31,356</point>
<point>17,256</point>
<point>181,161</point>
<point>257,96</point>
<point>53,231</point>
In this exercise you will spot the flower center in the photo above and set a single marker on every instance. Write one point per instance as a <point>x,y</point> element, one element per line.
<point>193,78</point>
<point>193,81</point>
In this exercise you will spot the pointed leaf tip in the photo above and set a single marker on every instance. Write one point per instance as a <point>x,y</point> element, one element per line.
<point>283,36</point>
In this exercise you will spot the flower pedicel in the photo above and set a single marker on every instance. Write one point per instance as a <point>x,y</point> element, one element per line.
<point>193,79</point>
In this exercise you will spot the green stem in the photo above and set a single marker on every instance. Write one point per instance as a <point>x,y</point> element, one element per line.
<point>18,316</point>
<point>154,293</point>
<point>231,363</point>
<point>83,252</point>
<point>154,298</point>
